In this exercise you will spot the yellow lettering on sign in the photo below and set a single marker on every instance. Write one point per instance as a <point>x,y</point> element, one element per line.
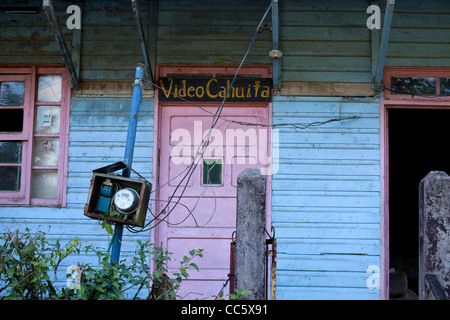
<point>189,90</point>
<point>166,93</point>
<point>222,91</point>
<point>265,93</point>
<point>241,95</point>
<point>208,92</point>
<point>182,91</point>
<point>197,92</point>
<point>256,86</point>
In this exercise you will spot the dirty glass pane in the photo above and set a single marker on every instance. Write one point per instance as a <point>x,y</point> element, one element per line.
<point>212,171</point>
<point>11,120</point>
<point>413,85</point>
<point>10,152</point>
<point>44,184</point>
<point>445,86</point>
<point>46,152</point>
<point>47,119</point>
<point>10,178</point>
<point>12,93</point>
<point>49,88</point>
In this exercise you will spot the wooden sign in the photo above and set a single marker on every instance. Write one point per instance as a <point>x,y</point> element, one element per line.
<point>215,89</point>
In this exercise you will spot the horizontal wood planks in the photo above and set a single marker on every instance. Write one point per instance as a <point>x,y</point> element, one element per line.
<point>326,198</point>
<point>98,129</point>
<point>322,41</point>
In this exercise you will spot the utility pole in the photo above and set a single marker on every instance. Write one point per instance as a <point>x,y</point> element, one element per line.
<point>129,149</point>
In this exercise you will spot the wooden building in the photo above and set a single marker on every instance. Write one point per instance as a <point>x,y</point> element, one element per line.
<point>351,150</point>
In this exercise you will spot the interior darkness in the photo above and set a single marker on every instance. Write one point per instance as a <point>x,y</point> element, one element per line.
<point>11,120</point>
<point>418,144</point>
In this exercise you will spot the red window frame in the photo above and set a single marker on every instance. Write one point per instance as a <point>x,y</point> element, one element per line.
<point>422,72</point>
<point>30,76</point>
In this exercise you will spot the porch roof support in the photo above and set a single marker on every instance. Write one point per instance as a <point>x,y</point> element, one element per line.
<point>56,29</point>
<point>276,63</point>
<point>148,66</point>
<point>377,81</point>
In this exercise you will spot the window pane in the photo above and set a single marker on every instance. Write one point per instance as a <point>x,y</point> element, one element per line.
<point>49,88</point>
<point>47,119</point>
<point>11,120</point>
<point>10,178</point>
<point>212,171</point>
<point>44,184</point>
<point>413,85</point>
<point>10,151</point>
<point>12,93</point>
<point>46,152</point>
<point>445,86</point>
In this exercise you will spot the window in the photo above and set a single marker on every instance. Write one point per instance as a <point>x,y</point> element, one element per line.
<point>212,171</point>
<point>34,112</point>
<point>406,83</point>
<point>413,85</point>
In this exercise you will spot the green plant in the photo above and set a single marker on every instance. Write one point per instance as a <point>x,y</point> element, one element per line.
<point>234,296</point>
<point>26,260</point>
<point>169,286</point>
<point>238,294</point>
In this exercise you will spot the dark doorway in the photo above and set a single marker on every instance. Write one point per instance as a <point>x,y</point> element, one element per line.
<point>418,144</point>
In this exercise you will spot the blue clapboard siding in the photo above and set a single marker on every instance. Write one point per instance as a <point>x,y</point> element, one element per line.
<point>326,198</point>
<point>420,34</point>
<point>325,41</point>
<point>211,32</point>
<point>27,39</point>
<point>98,129</point>
<point>110,39</point>
<point>322,40</point>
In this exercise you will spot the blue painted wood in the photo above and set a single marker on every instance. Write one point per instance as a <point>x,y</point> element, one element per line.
<point>326,198</point>
<point>321,41</point>
<point>97,138</point>
<point>326,195</point>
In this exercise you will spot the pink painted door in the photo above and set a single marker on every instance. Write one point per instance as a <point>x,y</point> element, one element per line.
<point>206,215</point>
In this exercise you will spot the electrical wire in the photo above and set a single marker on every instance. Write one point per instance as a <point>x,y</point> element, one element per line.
<point>206,140</point>
<point>162,215</point>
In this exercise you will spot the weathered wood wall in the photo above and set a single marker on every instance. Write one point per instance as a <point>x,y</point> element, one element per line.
<point>326,197</point>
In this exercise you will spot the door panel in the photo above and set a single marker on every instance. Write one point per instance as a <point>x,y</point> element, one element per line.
<point>206,215</point>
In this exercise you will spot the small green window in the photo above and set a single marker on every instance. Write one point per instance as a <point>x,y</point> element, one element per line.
<point>212,171</point>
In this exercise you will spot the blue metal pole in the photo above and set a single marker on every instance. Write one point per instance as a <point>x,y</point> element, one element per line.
<point>129,150</point>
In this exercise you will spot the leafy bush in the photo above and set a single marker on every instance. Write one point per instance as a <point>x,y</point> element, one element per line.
<point>26,262</point>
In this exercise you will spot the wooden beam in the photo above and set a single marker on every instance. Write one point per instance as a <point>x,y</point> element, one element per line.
<point>76,45</point>
<point>56,29</point>
<point>383,46</point>
<point>108,88</point>
<point>326,89</point>
<point>374,44</point>
<point>276,63</point>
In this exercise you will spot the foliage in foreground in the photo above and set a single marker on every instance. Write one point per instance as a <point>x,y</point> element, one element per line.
<point>29,264</point>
